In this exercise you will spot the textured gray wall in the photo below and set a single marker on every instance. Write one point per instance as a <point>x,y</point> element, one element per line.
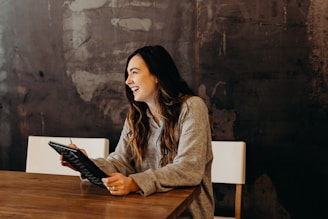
<point>261,65</point>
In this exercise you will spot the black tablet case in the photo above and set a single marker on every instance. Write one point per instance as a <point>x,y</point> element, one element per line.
<point>80,162</point>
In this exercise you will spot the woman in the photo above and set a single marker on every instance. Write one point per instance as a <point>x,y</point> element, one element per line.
<point>166,140</point>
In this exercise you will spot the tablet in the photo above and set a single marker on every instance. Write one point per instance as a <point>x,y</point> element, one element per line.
<point>80,162</point>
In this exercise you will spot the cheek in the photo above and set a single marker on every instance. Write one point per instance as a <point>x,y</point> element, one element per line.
<point>154,86</point>
<point>150,89</point>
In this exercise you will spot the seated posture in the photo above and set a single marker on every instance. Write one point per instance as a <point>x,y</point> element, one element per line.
<point>166,139</point>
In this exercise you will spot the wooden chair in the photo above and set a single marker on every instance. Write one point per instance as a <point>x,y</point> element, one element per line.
<point>228,167</point>
<point>41,158</point>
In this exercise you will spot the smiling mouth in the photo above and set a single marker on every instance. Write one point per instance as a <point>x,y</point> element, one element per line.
<point>134,89</point>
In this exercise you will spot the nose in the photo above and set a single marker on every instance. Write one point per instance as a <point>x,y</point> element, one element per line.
<point>128,80</point>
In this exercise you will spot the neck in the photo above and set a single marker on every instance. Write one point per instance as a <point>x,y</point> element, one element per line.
<point>155,111</point>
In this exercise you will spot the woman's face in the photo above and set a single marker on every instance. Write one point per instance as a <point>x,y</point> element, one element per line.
<point>142,83</point>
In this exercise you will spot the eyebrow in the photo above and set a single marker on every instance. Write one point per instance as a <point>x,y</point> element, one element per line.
<point>134,68</point>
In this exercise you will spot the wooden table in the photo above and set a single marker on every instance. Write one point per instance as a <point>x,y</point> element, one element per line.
<point>31,195</point>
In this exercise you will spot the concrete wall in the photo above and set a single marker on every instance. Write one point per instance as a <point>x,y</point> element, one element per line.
<point>261,65</point>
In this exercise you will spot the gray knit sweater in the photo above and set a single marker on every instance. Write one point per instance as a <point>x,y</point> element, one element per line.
<point>190,167</point>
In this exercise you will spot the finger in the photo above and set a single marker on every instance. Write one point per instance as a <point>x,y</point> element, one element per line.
<point>111,179</point>
<point>111,188</point>
<point>114,192</point>
<point>62,160</point>
<point>65,163</point>
<point>73,145</point>
<point>118,191</point>
<point>81,149</point>
<point>106,183</point>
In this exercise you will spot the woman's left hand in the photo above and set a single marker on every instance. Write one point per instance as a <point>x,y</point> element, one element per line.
<point>118,184</point>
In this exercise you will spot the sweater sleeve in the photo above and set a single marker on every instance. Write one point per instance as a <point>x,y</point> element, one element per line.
<point>188,167</point>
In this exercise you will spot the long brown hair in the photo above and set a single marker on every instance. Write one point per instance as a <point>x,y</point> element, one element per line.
<point>172,92</point>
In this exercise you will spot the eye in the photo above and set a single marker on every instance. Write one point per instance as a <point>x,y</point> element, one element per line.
<point>134,72</point>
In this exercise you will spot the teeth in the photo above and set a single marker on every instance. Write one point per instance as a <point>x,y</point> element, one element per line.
<point>134,88</point>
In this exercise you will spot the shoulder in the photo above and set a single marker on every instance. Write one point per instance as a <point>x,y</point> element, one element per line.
<point>194,114</point>
<point>194,104</point>
<point>195,100</point>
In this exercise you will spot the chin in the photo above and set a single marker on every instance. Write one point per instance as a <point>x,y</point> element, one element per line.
<point>137,99</point>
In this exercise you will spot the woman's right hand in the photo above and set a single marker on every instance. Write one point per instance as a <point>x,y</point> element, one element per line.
<point>67,164</point>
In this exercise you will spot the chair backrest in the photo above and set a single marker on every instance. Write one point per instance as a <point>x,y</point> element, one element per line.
<point>41,158</point>
<point>229,167</point>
